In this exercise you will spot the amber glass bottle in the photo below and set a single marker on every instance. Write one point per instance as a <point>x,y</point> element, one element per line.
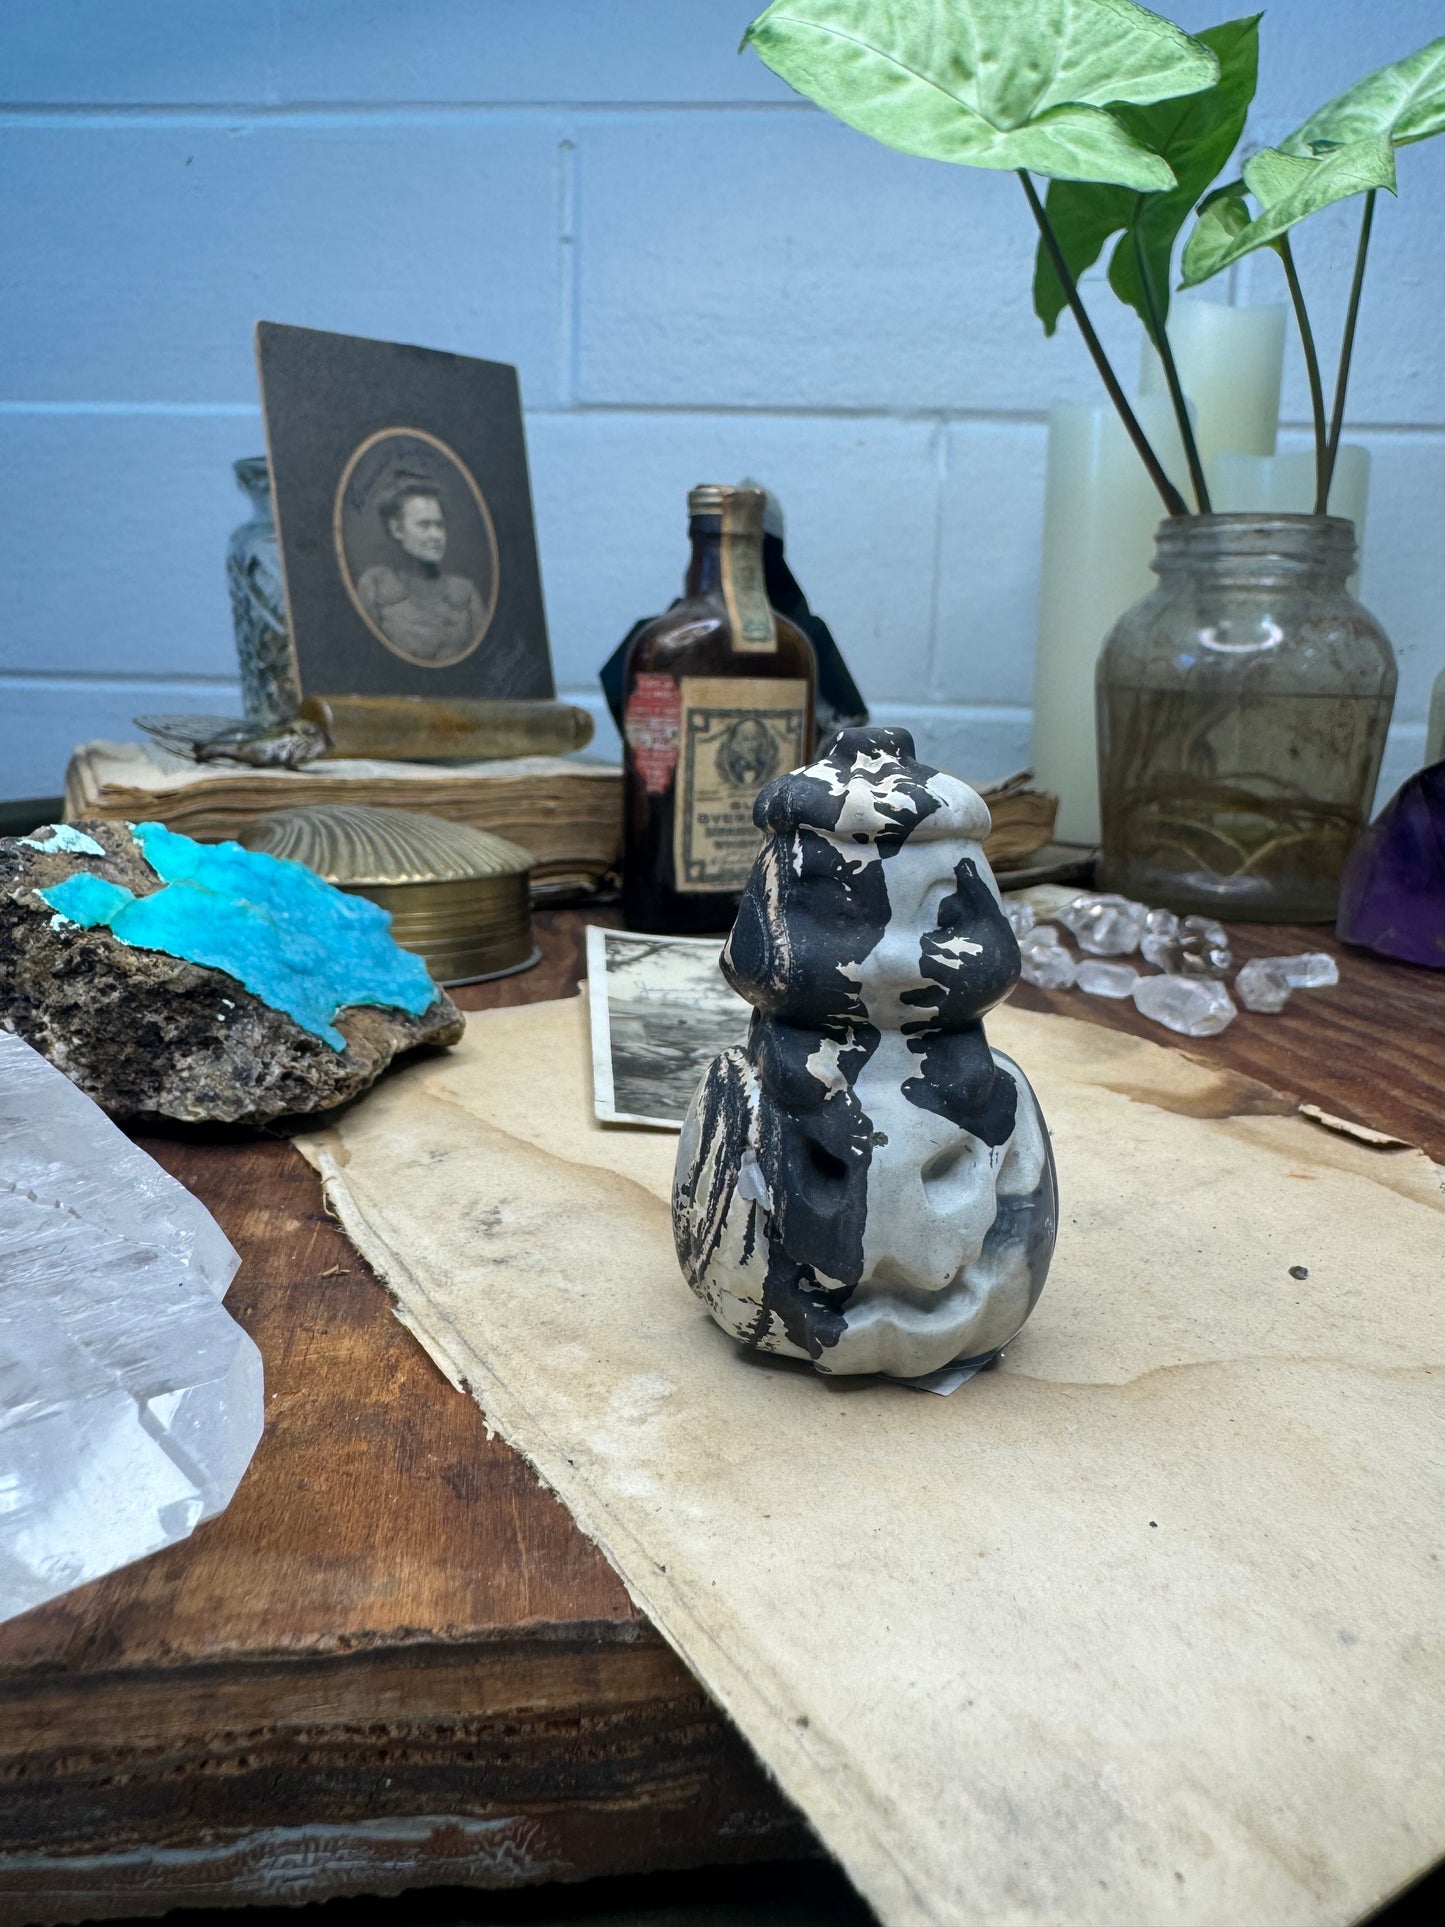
<point>717,699</point>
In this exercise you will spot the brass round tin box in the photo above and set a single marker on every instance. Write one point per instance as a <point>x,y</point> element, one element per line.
<point>458,896</point>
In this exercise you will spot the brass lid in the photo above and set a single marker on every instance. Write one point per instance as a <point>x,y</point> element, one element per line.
<point>457,896</point>
<point>354,844</point>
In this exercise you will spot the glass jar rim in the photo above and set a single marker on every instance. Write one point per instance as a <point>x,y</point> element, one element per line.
<point>1257,536</point>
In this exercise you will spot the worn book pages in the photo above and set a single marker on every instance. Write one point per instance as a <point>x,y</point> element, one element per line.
<point>1145,1625</point>
<point>567,812</point>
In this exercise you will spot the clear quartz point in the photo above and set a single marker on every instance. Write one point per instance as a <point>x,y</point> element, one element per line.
<point>1021,915</point>
<point>1195,947</point>
<point>1205,945</point>
<point>1205,959</point>
<point>1204,930</point>
<point>1262,985</point>
<point>1205,935</point>
<point>1105,926</point>
<point>130,1401</point>
<point>1044,960</point>
<point>1310,970</point>
<point>1106,979</point>
<point>1193,1006</point>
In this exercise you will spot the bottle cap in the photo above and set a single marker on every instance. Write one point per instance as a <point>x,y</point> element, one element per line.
<point>740,508</point>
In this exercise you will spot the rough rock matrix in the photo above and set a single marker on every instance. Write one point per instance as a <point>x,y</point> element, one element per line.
<point>148,1033</point>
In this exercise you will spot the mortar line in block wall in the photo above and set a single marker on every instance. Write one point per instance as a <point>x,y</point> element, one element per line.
<point>952,712</point>
<point>940,453</point>
<point>567,298</point>
<point>1353,430</point>
<point>569,690</point>
<point>703,410</point>
<point>838,411</point>
<point>180,410</point>
<point>233,116</point>
<point>128,679</point>
<point>926,416</point>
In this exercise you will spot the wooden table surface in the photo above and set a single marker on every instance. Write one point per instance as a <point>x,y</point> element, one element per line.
<point>394,1661</point>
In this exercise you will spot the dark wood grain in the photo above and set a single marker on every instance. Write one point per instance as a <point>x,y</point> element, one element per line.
<point>394,1660</point>
<point>377,1511</point>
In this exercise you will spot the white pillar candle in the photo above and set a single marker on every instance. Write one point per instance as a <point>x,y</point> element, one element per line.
<point>1229,362</point>
<point>1100,514</point>
<point>1285,485</point>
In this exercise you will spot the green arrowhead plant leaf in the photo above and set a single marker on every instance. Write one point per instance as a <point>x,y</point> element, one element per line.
<point>990,83</point>
<point>1396,105</point>
<point>1405,100</point>
<point>1223,217</point>
<point>1345,147</point>
<point>1288,187</point>
<point>1196,135</point>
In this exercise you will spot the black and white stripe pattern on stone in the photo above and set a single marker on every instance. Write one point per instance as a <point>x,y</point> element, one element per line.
<point>867,1185</point>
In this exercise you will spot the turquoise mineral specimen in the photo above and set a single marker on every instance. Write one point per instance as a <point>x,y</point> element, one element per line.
<point>62,836</point>
<point>294,941</point>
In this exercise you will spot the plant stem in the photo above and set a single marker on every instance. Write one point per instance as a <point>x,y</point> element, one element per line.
<point>1347,345</point>
<point>1174,502</point>
<point>1312,369</point>
<point>1171,375</point>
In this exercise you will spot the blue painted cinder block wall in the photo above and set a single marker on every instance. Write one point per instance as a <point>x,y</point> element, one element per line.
<point>698,275</point>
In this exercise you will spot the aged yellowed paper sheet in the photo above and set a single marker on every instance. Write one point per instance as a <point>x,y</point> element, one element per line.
<point>1144,1625</point>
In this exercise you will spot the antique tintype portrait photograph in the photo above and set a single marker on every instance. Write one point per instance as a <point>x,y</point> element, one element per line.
<point>404,516</point>
<point>416,547</point>
<point>660,1010</point>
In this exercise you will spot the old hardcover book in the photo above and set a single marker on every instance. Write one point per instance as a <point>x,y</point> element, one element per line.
<point>567,814</point>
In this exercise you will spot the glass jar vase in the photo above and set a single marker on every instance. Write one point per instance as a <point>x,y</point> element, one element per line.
<point>1242,707</point>
<point>258,604</point>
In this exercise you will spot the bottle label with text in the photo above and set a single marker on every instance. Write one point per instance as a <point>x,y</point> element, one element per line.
<point>652,727</point>
<point>738,732</point>
<point>744,586</point>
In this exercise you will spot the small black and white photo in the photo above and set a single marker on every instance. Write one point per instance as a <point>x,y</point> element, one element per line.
<point>416,546</point>
<point>660,1011</point>
<point>403,514</point>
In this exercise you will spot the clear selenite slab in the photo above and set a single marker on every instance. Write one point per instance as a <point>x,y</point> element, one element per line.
<point>130,1401</point>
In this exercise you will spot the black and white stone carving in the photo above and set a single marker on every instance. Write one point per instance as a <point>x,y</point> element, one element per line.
<point>866,1184</point>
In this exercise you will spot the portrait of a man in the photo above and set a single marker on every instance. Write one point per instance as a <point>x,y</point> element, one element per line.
<point>747,756</point>
<point>427,613</point>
